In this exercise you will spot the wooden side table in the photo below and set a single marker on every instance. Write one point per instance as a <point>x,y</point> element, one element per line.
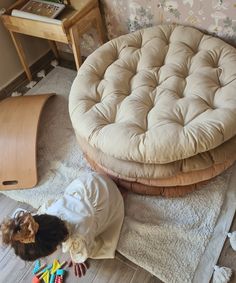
<point>75,20</point>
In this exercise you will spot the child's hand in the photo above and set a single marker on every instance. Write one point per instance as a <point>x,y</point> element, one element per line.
<point>79,268</point>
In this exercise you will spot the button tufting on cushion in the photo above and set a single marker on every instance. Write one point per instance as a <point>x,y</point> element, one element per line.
<point>168,92</point>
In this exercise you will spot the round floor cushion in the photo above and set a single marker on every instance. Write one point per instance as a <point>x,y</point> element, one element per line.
<point>156,97</point>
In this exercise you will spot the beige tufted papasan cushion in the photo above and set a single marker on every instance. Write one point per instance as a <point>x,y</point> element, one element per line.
<point>163,97</point>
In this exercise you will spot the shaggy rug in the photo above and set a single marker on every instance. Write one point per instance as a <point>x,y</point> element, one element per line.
<point>177,240</point>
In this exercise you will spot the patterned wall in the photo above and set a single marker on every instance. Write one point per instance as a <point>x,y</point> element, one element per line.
<point>123,16</point>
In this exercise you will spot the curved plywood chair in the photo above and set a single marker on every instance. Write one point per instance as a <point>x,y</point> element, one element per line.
<point>19,120</point>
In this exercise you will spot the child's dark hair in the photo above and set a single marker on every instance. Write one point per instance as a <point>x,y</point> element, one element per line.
<point>33,236</point>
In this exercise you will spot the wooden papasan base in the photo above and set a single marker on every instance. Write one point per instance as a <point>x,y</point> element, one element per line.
<point>144,189</point>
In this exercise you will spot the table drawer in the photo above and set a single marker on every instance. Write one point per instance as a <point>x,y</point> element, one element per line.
<point>35,28</point>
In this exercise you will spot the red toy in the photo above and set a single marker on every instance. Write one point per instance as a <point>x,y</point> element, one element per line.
<point>35,279</point>
<point>59,276</point>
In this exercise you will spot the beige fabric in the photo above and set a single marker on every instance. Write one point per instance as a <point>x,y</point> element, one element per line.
<point>128,170</point>
<point>162,94</point>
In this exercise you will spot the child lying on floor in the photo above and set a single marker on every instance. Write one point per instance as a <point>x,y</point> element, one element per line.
<point>87,221</point>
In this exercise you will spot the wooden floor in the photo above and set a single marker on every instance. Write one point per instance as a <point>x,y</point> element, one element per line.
<point>118,270</point>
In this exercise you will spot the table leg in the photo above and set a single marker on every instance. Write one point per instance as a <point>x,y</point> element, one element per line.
<point>21,54</point>
<point>82,26</point>
<point>75,42</point>
<point>53,46</point>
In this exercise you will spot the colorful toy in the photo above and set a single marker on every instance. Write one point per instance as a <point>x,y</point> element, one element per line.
<point>41,270</point>
<point>59,276</point>
<point>47,268</point>
<point>63,264</point>
<point>51,273</point>
<point>36,266</point>
<point>45,276</point>
<point>35,279</point>
<point>52,278</point>
<point>56,265</point>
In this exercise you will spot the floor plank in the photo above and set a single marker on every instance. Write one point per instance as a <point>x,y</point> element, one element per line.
<point>126,261</point>
<point>114,271</point>
<point>142,276</point>
<point>12,268</point>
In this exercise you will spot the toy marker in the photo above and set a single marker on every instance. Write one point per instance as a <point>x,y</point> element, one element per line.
<point>47,268</point>
<point>41,269</point>
<point>56,265</point>
<point>52,278</point>
<point>45,276</point>
<point>36,266</point>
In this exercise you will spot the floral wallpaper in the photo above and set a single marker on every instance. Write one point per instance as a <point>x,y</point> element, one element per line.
<point>215,16</point>
<point>123,16</point>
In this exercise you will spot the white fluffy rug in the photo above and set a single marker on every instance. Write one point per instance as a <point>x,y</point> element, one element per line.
<point>178,240</point>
